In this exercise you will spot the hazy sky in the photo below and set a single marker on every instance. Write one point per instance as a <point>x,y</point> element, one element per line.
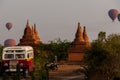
<point>57,18</point>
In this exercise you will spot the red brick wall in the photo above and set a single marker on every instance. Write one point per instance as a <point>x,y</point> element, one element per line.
<point>75,56</point>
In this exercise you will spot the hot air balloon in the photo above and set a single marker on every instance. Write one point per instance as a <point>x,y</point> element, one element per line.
<point>9,25</point>
<point>113,13</point>
<point>9,42</point>
<point>118,17</point>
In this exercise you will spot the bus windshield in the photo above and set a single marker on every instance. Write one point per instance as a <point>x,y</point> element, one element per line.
<point>19,56</point>
<point>9,56</point>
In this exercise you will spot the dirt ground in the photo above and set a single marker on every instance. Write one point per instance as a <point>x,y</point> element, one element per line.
<point>64,72</point>
<point>67,72</point>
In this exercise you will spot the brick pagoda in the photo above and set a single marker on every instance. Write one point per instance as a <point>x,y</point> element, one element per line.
<point>80,43</point>
<point>30,36</point>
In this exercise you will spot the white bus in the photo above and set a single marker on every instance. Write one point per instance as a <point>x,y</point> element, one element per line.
<point>22,55</point>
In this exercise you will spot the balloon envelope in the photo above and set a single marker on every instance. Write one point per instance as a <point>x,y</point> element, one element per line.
<point>9,42</point>
<point>113,13</point>
<point>9,25</point>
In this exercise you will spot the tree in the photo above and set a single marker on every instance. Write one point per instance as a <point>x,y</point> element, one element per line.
<point>102,36</point>
<point>1,49</point>
<point>40,61</point>
<point>56,48</point>
<point>103,58</point>
<point>46,53</point>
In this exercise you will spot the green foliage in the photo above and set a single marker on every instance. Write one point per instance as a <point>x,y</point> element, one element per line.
<point>58,48</point>
<point>1,49</point>
<point>18,72</point>
<point>101,36</point>
<point>40,61</point>
<point>103,58</point>
<point>47,53</point>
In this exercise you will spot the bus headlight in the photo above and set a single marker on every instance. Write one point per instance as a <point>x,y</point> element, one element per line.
<point>21,64</point>
<point>6,64</point>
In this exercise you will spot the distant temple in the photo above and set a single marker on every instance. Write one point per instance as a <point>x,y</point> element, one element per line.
<point>30,36</point>
<point>80,43</point>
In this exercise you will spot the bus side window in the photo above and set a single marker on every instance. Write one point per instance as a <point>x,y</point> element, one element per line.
<point>9,56</point>
<point>28,55</point>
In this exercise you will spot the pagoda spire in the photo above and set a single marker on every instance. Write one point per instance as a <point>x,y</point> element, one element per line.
<point>27,25</point>
<point>36,33</point>
<point>27,32</point>
<point>35,28</point>
<point>79,34</point>
<point>32,30</point>
<point>85,35</point>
